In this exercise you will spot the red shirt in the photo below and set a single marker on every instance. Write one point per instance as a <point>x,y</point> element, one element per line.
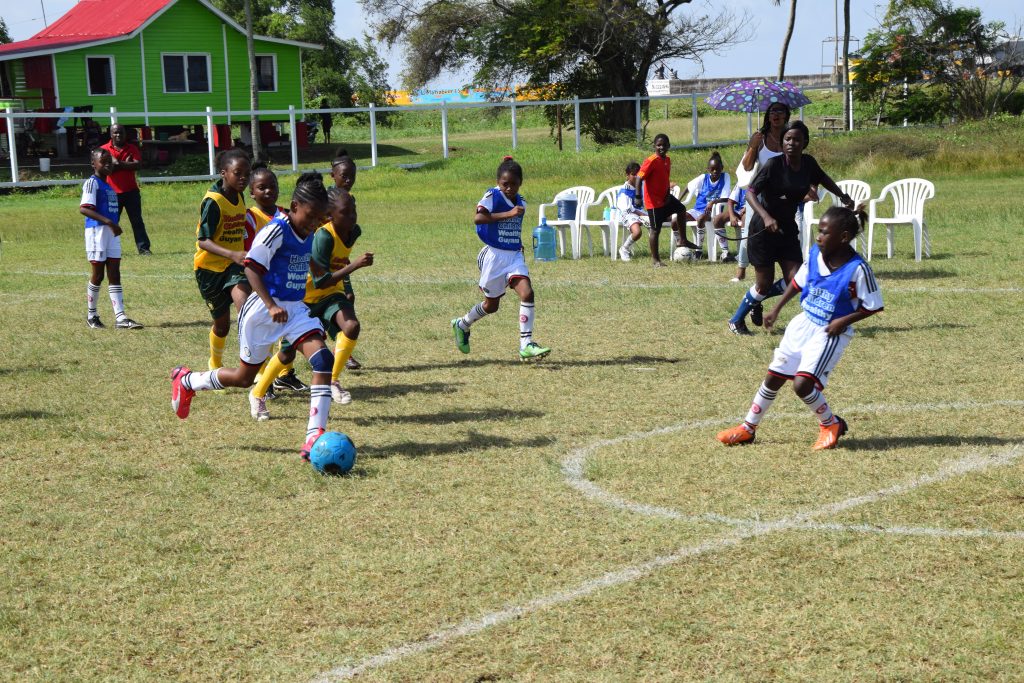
<point>654,172</point>
<point>123,181</point>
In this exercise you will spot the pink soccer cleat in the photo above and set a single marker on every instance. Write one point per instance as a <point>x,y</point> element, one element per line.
<point>181,397</point>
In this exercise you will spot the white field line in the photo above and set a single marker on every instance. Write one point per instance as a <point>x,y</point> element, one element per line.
<point>934,532</point>
<point>956,468</point>
<point>596,284</point>
<point>574,463</point>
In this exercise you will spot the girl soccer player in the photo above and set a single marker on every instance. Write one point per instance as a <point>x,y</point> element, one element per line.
<point>837,289</point>
<point>709,189</point>
<point>499,225</point>
<point>264,191</point>
<point>343,172</point>
<point>103,242</point>
<point>327,288</point>
<point>276,269</point>
<point>220,248</point>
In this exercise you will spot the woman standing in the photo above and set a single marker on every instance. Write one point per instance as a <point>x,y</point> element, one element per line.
<point>765,143</point>
<point>776,192</point>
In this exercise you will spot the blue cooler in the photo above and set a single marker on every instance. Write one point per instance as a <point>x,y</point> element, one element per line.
<point>567,208</point>
<point>544,242</point>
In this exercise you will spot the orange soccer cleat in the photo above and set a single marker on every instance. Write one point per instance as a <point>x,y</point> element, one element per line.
<point>829,435</point>
<point>734,436</point>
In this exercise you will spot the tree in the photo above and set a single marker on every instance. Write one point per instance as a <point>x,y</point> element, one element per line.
<point>789,36</point>
<point>589,48</point>
<point>254,89</point>
<point>962,66</point>
<point>5,36</point>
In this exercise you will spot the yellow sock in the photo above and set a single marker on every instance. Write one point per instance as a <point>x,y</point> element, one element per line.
<point>270,371</point>
<point>216,351</point>
<point>285,369</point>
<point>342,352</point>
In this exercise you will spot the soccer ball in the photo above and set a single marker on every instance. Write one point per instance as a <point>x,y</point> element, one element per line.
<point>333,453</point>
<point>683,254</point>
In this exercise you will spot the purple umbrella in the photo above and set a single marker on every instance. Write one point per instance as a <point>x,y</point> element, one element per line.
<point>756,95</point>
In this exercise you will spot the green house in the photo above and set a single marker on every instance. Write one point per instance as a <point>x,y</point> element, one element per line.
<point>148,56</point>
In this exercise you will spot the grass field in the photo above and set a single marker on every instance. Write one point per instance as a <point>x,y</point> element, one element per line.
<point>565,521</point>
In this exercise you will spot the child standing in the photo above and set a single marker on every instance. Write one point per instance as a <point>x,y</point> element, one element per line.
<point>661,205</point>
<point>709,188</point>
<point>220,248</point>
<point>263,189</point>
<point>837,289</point>
<point>343,173</point>
<point>733,217</point>
<point>499,225</point>
<point>103,241</point>
<point>276,268</point>
<point>327,288</point>
<point>632,215</point>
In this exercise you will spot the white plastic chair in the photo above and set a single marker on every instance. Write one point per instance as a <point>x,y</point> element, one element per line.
<point>605,200</point>
<point>584,195</point>
<point>683,195</point>
<point>908,196</point>
<point>859,192</point>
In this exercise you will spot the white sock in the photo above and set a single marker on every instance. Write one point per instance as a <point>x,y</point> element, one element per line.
<point>754,295</point>
<point>763,400</point>
<point>319,408</point>
<point>117,301</point>
<point>202,381</point>
<point>92,292</point>
<point>723,243</point>
<point>628,242</point>
<point>819,406</point>
<point>525,324</point>
<point>474,314</point>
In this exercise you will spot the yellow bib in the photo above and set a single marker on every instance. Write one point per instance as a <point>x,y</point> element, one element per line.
<point>230,233</point>
<point>339,259</point>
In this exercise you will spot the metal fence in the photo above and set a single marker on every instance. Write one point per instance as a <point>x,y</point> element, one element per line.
<point>675,110</point>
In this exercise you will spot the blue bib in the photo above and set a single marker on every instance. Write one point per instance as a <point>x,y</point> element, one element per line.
<point>286,276</point>
<point>506,233</point>
<point>741,200</point>
<point>827,297</point>
<point>106,203</point>
<point>629,192</point>
<point>709,191</point>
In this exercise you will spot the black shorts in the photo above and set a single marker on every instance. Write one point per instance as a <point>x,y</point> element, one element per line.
<point>216,287</point>
<point>768,248</point>
<point>664,213</point>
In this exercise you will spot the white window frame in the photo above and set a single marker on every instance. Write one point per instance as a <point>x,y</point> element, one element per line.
<point>113,76</point>
<point>273,57</point>
<point>184,56</point>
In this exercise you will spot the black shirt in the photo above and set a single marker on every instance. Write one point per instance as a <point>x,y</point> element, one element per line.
<point>781,190</point>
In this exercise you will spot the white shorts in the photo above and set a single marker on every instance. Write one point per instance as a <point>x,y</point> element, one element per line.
<point>257,332</point>
<point>497,268</point>
<point>807,350</point>
<point>694,214</point>
<point>631,217</point>
<point>101,243</point>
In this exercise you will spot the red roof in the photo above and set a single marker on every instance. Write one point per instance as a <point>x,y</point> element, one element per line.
<point>89,21</point>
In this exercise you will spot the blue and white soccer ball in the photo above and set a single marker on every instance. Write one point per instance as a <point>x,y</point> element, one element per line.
<point>683,254</point>
<point>333,453</point>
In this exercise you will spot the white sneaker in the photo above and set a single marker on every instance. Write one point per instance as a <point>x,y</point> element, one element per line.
<point>624,254</point>
<point>258,408</point>
<point>340,395</point>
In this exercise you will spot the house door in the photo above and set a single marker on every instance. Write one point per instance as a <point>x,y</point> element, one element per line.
<point>39,74</point>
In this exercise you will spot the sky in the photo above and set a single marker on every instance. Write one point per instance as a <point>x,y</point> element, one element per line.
<point>757,57</point>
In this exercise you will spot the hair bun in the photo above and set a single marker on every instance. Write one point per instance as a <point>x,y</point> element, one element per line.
<point>506,158</point>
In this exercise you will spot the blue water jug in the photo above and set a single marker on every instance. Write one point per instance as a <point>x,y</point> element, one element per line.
<point>544,242</point>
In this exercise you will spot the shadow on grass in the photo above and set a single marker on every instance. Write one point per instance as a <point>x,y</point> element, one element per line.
<point>35,367</point>
<point>473,442</point>
<point>880,443</point>
<point>26,415</point>
<point>546,363</point>
<point>870,332</point>
<point>324,153</point>
<point>925,274</point>
<point>374,394</point>
<point>183,323</point>
<point>450,417</point>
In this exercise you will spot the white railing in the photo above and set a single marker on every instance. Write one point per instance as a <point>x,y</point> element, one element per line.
<point>295,115</point>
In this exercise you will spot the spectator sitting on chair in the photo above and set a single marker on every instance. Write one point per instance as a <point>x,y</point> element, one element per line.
<point>93,132</point>
<point>126,161</point>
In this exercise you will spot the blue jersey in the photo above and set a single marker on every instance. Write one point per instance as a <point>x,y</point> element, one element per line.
<point>626,199</point>
<point>827,297</point>
<point>506,233</point>
<point>739,195</point>
<point>709,191</point>
<point>283,257</point>
<point>99,196</point>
